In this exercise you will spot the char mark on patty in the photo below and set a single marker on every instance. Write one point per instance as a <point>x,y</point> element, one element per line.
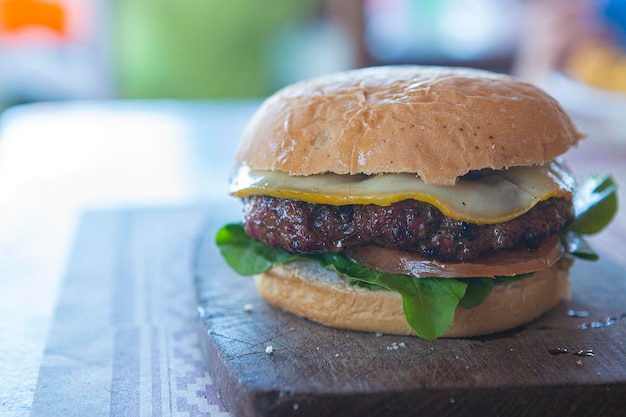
<point>409,225</point>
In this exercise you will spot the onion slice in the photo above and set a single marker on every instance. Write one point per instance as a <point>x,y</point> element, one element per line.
<point>501,263</point>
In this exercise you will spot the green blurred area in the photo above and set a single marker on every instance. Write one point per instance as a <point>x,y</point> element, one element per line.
<point>195,49</point>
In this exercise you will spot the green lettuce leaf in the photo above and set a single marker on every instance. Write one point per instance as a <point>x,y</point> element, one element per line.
<point>478,289</point>
<point>428,303</point>
<point>244,255</point>
<point>577,246</point>
<point>595,204</point>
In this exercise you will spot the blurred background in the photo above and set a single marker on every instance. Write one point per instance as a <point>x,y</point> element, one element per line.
<point>91,135</point>
<point>197,49</point>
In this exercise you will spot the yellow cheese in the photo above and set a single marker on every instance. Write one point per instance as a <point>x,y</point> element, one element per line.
<point>489,197</point>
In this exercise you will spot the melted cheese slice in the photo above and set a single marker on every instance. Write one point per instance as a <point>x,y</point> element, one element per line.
<point>491,197</point>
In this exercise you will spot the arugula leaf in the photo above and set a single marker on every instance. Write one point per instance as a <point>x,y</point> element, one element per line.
<point>478,289</point>
<point>363,284</point>
<point>244,255</point>
<point>501,279</point>
<point>428,303</point>
<point>595,204</point>
<point>575,245</point>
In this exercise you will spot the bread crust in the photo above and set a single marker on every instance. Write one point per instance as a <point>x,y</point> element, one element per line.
<point>437,122</point>
<point>308,290</point>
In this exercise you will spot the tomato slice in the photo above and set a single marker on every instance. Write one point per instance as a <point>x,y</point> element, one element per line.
<point>500,263</point>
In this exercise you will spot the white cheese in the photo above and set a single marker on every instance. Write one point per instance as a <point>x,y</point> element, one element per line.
<point>489,197</point>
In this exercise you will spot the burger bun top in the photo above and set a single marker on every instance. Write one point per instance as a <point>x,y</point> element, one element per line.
<point>439,123</point>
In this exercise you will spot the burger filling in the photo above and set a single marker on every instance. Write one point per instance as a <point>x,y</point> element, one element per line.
<point>489,220</point>
<point>409,225</point>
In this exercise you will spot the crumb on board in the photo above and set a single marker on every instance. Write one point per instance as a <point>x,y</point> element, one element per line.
<point>269,349</point>
<point>396,346</point>
<point>247,308</point>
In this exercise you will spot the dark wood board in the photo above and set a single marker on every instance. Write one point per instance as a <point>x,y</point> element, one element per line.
<point>319,371</point>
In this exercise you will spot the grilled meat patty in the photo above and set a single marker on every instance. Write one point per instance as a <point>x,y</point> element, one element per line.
<point>409,225</point>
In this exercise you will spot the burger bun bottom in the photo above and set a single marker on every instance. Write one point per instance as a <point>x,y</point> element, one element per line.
<point>309,290</point>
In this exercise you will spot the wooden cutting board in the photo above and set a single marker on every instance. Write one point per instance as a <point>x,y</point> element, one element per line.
<point>317,371</point>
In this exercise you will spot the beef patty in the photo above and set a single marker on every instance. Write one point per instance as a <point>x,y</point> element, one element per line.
<point>409,225</point>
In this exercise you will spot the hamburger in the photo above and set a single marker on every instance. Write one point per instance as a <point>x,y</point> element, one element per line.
<point>412,200</point>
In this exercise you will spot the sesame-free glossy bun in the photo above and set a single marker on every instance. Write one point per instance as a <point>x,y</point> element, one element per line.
<point>437,122</point>
<point>309,290</point>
